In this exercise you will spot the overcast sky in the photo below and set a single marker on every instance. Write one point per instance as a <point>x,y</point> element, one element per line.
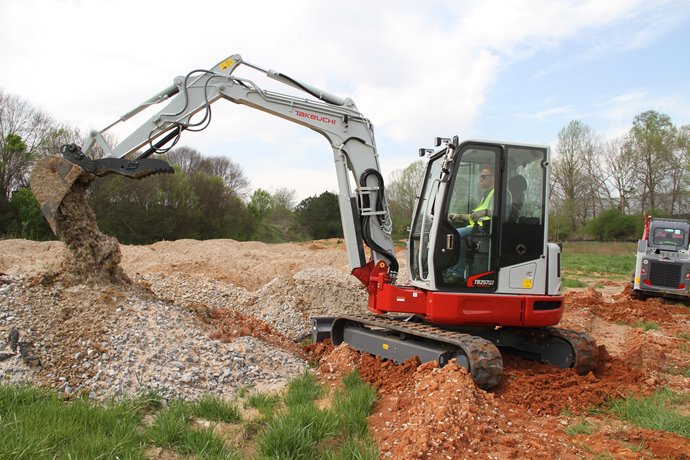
<point>516,70</point>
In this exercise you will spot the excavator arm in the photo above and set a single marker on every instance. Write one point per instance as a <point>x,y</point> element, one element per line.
<point>186,106</point>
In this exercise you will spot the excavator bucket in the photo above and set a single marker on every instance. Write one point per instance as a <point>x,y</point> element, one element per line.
<point>51,179</point>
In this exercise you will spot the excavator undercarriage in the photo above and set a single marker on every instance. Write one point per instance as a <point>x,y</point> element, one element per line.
<point>399,338</point>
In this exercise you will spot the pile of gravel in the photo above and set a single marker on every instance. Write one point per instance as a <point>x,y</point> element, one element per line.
<point>286,302</point>
<point>107,341</point>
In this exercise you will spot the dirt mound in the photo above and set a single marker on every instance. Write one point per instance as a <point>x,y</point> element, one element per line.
<point>429,412</point>
<point>546,390</point>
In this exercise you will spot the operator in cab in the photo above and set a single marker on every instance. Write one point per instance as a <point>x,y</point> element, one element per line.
<point>476,220</point>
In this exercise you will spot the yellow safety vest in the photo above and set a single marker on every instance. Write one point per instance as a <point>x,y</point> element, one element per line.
<point>486,203</point>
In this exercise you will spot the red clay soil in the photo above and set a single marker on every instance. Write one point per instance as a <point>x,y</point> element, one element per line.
<point>228,324</point>
<point>427,412</point>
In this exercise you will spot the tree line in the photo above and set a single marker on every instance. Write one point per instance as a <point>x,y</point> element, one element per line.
<point>207,197</point>
<point>603,186</point>
<point>600,187</point>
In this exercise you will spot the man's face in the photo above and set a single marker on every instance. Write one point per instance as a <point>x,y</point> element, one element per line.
<point>486,179</point>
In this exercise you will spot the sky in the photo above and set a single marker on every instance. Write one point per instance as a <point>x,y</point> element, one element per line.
<point>509,70</point>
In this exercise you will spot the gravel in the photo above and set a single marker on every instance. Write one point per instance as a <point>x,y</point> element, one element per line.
<point>106,342</point>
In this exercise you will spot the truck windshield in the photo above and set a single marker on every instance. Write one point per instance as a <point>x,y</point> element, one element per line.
<point>669,237</point>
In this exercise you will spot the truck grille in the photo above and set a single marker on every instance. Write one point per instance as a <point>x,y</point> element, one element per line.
<point>666,275</point>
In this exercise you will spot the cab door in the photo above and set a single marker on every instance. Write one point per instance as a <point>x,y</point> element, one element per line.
<point>421,235</point>
<point>466,251</point>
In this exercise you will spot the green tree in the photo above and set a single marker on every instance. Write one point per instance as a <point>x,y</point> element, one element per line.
<point>651,141</point>
<point>176,206</point>
<point>276,220</point>
<point>127,209</point>
<point>320,216</point>
<point>260,204</point>
<point>24,135</point>
<point>612,225</point>
<point>161,207</point>
<point>30,222</point>
<point>192,162</point>
<point>14,162</point>
<point>222,214</point>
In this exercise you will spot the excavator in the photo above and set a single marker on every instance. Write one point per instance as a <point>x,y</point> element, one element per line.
<point>489,282</point>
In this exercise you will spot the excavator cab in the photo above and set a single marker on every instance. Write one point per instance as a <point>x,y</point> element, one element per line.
<point>504,248</point>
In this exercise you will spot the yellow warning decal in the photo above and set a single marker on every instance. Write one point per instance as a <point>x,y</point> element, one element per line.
<point>527,283</point>
<point>226,63</point>
<point>385,346</point>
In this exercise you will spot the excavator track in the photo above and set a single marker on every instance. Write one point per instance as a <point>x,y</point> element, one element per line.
<point>559,347</point>
<point>481,357</point>
<point>586,350</point>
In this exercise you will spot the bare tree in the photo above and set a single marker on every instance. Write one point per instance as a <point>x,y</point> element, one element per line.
<point>596,193</point>
<point>401,192</point>
<point>680,170</point>
<point>188,159</point>
<point>572,179</point>
<point>23,135</point>
<point>231,173</point>
<point>617,164</point>
<point>191,162</point>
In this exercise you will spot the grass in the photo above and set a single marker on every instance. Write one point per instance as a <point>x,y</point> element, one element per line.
<point>583,426</point>
<point>37,424</point>
<point>303,390</point>
<point>264,403</point>
<point>656,412</point>
<point>572,283</point>
<point>612,260</point>
<point>646,325</point>
<point>353,403</point>
<point>303,431</point>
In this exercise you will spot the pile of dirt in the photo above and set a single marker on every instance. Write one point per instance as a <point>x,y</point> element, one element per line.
<point>540,389</point>
<point>427,412</point>
<point>647,335</point>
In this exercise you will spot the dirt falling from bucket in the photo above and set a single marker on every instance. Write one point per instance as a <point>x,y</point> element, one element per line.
<point>93,257</point>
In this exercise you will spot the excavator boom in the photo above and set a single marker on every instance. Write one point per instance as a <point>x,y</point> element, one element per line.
<point>187,106</point>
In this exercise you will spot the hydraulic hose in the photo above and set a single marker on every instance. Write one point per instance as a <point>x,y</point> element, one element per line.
<point>366,230</point>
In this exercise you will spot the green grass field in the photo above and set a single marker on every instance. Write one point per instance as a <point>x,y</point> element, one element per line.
<point>585,263</point>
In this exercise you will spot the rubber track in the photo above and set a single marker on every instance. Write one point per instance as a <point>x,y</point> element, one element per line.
<point>486,364</point>
<point>586,350</point>
<point>584,346</point>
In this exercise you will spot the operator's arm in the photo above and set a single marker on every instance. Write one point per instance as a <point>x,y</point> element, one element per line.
<point>458,218</point>
<point>478,214</point>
